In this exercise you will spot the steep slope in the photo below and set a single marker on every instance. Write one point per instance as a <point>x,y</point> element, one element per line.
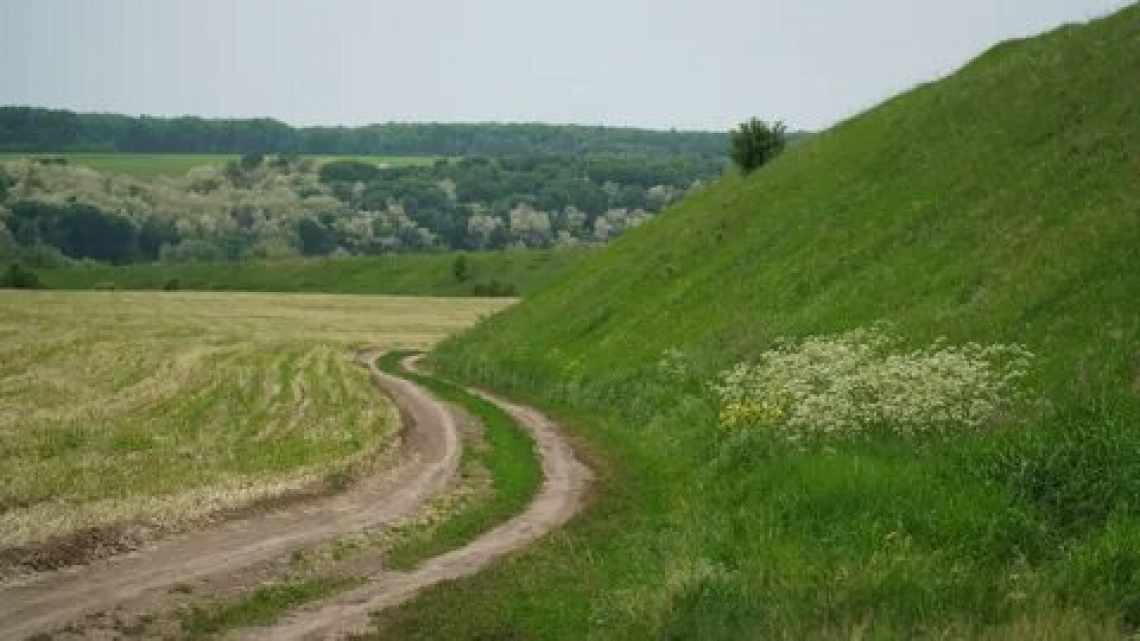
<point>1001,204</point>
<point>980,203</point>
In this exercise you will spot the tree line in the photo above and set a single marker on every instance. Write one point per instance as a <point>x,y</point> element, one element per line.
<point>268,206</point>
<point>52,212</point>
<point>36,129</point>
<point>535,201</point>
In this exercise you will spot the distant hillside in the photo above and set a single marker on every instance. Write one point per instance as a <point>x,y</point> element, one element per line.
<point>52,211</point>
<point>36,129</point>
<point>1000,205</point>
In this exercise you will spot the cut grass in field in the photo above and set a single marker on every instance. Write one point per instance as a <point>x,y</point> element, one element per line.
<point>501,473</point>
<point>402,274</point>
<point>147,165</point>
<point>160,408</point>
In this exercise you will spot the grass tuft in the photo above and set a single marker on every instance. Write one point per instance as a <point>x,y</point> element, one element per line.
<point>262,607</point>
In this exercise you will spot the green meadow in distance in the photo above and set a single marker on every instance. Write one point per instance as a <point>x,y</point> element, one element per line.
<point>148,165</point>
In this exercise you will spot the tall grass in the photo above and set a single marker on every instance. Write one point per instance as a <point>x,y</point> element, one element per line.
<point>1001,205</point>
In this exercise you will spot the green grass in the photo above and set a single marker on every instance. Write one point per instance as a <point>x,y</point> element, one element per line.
<point>150,165</point>
<point>405,274</point>
<point>261,607</point>
<point>999,205</point>
<point>509,458</point>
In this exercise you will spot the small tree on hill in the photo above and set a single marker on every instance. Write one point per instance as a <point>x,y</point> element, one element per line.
<point>756,142</point>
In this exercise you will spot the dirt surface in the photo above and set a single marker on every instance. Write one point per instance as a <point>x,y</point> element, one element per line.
<point>429,460</point>
<point>566,481</point>
<point>98,600</point>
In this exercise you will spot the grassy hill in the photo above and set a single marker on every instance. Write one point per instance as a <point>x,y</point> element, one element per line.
<point>400,274</point>
<point>1000,205</point>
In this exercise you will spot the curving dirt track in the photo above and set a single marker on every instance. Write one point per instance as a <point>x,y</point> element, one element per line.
<point>429,461</point>
<point>430,458</point>
<point>566,480</point>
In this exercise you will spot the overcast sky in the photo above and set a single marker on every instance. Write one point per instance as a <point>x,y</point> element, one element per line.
<point>659,63</point>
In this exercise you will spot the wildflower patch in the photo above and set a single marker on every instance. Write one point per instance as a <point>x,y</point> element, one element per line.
<point>849,384</point>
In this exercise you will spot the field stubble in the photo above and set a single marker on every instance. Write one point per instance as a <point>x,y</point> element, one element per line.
<point>143,412</point>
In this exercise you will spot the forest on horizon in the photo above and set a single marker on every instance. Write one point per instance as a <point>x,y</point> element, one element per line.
<point>35,129</point>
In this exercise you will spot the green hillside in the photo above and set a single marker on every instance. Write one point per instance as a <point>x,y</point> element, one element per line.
<point>525,271</point>
<point>1000,205</point>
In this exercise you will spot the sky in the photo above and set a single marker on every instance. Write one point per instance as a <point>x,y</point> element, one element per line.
<point>661,63</point>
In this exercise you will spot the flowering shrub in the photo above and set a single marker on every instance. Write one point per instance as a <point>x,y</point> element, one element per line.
<point>848,384</point>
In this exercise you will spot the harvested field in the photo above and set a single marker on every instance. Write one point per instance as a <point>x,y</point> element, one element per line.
<point>128,412</point>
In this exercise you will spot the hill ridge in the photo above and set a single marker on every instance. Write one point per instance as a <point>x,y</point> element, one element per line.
<point>1000,205</point>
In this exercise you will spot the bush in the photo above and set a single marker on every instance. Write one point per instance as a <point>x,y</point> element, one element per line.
<point>6,183</point>
<point>46,256</point>
<point>460,268</point>
<point>19,278</point>
<point>191,250</point>
<point>315,238</point>
<point>8,246</point>
<point>155,232</point>
<point>756,142</point>
<point>251,161</point>
<point>841,386</point>
<point>172,285</point>
<point>76,229</point>
<point>349,171</point>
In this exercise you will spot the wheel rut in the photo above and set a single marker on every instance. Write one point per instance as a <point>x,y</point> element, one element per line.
<point>565,483</point>
<point>429,461</point>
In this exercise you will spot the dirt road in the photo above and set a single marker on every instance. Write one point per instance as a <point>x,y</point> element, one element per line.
<point>429,461</point>
<point>564,486</point>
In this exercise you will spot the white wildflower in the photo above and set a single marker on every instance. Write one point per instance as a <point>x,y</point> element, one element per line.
<point>853,382</point>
